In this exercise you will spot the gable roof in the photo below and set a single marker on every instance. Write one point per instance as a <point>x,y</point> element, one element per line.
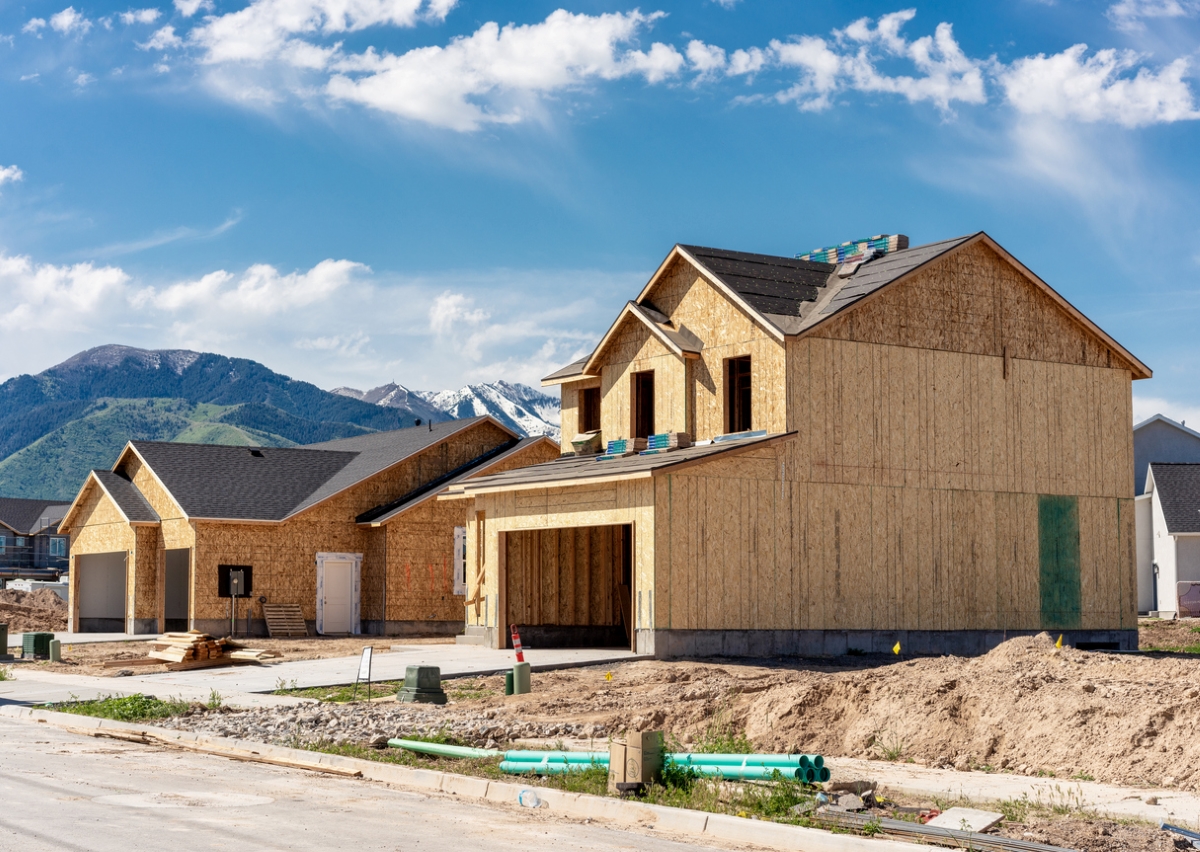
<point>271,484</point>
<point>1178,488</point>
<point>787,296</point>
<point>134,508</point>
<point>677,340</point>
<point>25,517</point>
<point>1161,418</point>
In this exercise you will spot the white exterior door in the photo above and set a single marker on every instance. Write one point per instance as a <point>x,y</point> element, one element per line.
<point>338,592</point>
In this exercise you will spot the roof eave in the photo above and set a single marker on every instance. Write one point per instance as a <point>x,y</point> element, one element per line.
<point>732,295</point>
<point>562,380</point>
<point>130,448</point>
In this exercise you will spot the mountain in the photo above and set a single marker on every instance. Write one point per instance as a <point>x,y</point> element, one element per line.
<point>59,424</point>
<point>519,407</point>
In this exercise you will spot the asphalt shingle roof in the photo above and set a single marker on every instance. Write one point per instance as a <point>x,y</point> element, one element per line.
<point>1178,487</point>
<point>571,468</point>
<point>772,285</point>
<point>127,497</point>
<point>25,516</point>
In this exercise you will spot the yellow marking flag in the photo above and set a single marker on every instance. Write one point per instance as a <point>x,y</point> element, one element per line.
<point>896,648</point>
<point>1058,644</point>
<point>608,675</point>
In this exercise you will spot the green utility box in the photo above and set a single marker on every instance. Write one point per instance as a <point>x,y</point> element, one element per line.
<point>4,655</point>
<point>422,685</point>
<point>36,646</point>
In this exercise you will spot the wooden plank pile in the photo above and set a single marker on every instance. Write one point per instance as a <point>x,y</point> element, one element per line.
<point>189,647</point>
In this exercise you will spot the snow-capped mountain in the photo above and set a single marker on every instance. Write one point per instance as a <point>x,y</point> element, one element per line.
<point>519,407</point>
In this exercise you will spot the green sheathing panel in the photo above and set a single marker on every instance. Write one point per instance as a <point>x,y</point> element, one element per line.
<point>1058,550</point>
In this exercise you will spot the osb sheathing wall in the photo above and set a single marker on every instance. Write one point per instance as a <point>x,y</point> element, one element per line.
<point>284,555</point>
<point>629,502</point>
<point>569,409</point>
<point>692,303</point>
<point>420,551</point>
<point>909,498</point>
<point>564,577</point>
<point>99,527</point>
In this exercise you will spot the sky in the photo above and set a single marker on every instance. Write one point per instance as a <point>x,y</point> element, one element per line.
<point>436,192</point>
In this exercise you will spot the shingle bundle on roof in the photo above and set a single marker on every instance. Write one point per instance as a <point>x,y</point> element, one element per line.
<point>856,251</point>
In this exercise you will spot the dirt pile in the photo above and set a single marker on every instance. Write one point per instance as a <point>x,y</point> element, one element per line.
<point>1027,707</point>
<point>40,610</point>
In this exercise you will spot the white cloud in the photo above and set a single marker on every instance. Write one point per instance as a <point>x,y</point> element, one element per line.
<point>1145,407</point>
<point>187,8</point>
<point>821,69</point>
<point>84,79</point>
<point>726,4</point>
<point>498,74</point>
<point>34,25</point>
<point>27,77</point>
<point>10,174</point>
<point>1067,85</point>
<point>451,310</point>
<point>140,16</point>
<point>69,21</point>
<point>350,344</point>
<point>261,289</point>
<point>266,29</point>
<point>44,296</point>
<point>705,59</point>
<point>163,39</point>
<point>749,61</point>
<point>1128,15</point>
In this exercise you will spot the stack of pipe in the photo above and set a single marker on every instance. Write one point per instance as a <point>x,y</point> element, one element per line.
<point>807,768</point>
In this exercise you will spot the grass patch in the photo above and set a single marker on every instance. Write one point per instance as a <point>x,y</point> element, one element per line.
<point>468,690</point>
<point>1175,649</point>
<point>888,745</point>
<point>341,694</point>
<point>5,674</point>
<point>131,708</point>
<point>720,737</point>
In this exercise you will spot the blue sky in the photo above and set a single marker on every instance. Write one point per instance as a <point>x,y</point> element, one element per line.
<point>436,192</point>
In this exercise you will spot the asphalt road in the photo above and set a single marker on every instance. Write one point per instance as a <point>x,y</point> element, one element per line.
<point>60,792</point>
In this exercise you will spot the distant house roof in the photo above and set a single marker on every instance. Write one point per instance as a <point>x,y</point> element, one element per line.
<point>1178,487</point>
<point>788,296</point>
<point>571,469</point>
<point>1162,418</point>
<point>30,517</point>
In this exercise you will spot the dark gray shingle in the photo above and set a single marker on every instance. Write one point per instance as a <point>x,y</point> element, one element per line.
<point>1178,487</point>
<point>127,497</point>
<point>25,516</point>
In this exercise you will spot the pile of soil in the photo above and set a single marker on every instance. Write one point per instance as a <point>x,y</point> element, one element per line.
<point>1027,707</point>
<point>41,610</point>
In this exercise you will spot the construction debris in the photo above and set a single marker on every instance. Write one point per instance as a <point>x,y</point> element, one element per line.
<point>198,650</point>
<point>284,619</point>
<point>966,819</point>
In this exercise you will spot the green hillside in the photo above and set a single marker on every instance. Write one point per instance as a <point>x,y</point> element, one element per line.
<point>54,466</point>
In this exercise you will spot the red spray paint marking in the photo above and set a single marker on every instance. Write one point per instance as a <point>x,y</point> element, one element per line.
<point>408,575</point>
<point>516,637</point>
<point>432,582</point>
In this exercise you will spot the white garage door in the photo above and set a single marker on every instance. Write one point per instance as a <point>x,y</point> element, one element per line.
<point>101,589</point>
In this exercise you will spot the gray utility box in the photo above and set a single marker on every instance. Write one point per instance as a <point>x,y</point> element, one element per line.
<point>423,685</point>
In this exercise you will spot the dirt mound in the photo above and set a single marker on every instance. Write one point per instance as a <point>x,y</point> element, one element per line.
<point>42,610</point>
<point>1026,707</point>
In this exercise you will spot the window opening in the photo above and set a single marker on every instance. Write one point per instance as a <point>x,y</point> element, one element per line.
<point>589,410</point>
<point>643,404</point>
<point>737,395</point>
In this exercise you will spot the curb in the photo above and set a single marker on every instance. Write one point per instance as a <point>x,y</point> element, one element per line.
<point>769,835</point>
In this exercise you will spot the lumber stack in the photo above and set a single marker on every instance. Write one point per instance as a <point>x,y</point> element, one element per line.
<point>189,647</point>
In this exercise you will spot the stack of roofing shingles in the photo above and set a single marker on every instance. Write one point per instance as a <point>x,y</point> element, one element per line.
<point>857,250</point>
<point>622,447</point>
<point>666,442</point>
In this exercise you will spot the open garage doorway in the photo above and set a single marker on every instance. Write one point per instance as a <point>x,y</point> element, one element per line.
<point>100,593</point>
<point>570,587</point>
<point>175,592</point>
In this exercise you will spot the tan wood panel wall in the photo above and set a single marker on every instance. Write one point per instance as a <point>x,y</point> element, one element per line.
<point>563,576</point>
<point>630,502</point>
<point>634,350</point>
<point>99,527</point>
<point>750,552</point>
<point>420,548</point>
<point>570,409</point>
<point>891,415</point>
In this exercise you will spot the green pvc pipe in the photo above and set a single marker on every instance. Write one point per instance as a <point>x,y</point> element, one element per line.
<point>556,756</point>
<point>442,750</point>
<point>781,760</point>
<point>521,767</point>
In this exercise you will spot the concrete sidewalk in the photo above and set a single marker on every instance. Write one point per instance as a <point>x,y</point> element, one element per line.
<point>453,660</point>
<point>251,685</point>
<point>1176,806</point>
<point>68,638</point>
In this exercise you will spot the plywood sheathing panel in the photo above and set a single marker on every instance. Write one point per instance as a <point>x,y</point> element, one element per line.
<point>692,303</point>
<point>569,409</point>
<point>99,528</point>
<point>563,576</point>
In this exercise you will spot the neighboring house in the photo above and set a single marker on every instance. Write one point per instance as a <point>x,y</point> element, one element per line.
<point>1156,439</point>
<point>347,529</point>
<point>935,449</point>
<point>29,537</point>
<point>1161,439</point>
<point>1169,540</point>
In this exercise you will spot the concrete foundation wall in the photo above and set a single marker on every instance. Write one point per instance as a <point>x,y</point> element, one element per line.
<point>667,644</point>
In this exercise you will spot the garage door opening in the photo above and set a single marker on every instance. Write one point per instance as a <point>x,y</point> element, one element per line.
<point>175,593</point>
<point>100,593</point>
<point>571,587</point>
